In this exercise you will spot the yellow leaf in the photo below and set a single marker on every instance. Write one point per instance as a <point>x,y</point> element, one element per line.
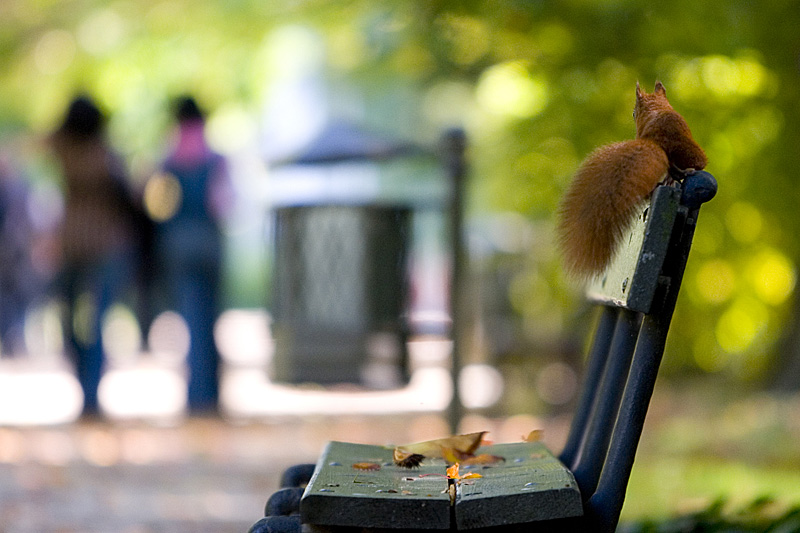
<point>452,472</point>
<point>449,448</point>
<point>451,456</point>
<point>534,436</point>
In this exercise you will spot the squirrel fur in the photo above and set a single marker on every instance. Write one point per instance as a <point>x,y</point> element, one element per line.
<point>613,181</point>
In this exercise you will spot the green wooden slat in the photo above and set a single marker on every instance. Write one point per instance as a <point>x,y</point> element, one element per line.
<point>392,497</point>
<point>530,485</point>
<point>632,278</point>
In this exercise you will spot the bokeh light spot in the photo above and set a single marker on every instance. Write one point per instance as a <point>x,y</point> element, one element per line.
<point>715,280</point>
<point>772,276</point>
<point>720,74</point>
<point>83,317</point>
<point>508,90</point>
<point>723,76</point>
<point>54,52</point>
<point>294,51</point>
<point>231,129</point>
<point>480,386</point>
<point>738,326</point>
<point>101,31</point>
<point>169,337</point>
<point>752,76</point>
<point>121,334</point>
<point>162,196</point>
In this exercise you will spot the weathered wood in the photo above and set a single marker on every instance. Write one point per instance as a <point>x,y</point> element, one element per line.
<point>631,280</point>
<point>530,485</point>
<point>392,497</point>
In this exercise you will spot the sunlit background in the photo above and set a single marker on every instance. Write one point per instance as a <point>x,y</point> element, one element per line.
<point>535,86</point>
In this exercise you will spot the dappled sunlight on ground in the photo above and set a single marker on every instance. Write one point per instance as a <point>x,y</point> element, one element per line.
<point>249,393</point>
<point>150,385</point>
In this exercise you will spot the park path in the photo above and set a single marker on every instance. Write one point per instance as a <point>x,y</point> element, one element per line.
<point>202,474</point>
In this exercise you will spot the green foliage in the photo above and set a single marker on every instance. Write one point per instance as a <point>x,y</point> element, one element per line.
<point>715,458</point>
<point>758,517</point>
<point>537,85</point>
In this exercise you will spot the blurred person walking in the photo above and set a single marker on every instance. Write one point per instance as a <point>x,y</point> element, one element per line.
<point>98,236</point>
<point>189,245</point>
<point>20,282</point>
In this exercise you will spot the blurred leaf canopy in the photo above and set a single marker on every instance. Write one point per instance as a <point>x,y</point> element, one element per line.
<point>536,84</point>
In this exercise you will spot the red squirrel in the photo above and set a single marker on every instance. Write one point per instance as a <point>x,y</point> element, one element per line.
<point>614,180</point>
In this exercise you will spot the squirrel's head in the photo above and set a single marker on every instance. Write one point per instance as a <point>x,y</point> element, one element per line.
<point>649,104</point>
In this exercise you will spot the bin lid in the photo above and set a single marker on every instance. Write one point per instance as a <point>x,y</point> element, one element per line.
<point>342,141</point>
<point>346,164</point>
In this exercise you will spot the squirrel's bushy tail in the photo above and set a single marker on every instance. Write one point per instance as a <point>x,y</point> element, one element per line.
<point>601,202</point>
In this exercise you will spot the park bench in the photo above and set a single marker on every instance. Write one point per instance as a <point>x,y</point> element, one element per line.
<point>582,488</point>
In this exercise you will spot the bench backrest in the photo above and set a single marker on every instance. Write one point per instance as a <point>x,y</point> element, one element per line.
<point>637,295</point>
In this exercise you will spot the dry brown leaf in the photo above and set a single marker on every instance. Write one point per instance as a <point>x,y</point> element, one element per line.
<point>407,459</point>
<point>451,449</point>
<point>483,459</point>
<point>367,466</point>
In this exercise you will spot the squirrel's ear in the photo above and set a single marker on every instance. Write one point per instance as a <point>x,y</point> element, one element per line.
<point>638,90</point>
<point>660,89</point>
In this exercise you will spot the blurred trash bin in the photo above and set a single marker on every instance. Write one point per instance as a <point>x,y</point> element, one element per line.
<point>340,283</point>
<point>340,292</point>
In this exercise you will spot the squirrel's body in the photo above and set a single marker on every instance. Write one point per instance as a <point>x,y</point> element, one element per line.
<point>614,180</point>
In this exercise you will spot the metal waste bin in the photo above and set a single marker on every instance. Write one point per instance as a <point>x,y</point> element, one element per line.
<point>339,294</point>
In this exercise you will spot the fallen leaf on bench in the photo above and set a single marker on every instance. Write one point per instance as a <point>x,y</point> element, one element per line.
<point>483,459</point>
<point>534,436</point>
<point>367,466</point>
<point>451,449</point>
<point>406,459</point>
<point>452,473</point>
